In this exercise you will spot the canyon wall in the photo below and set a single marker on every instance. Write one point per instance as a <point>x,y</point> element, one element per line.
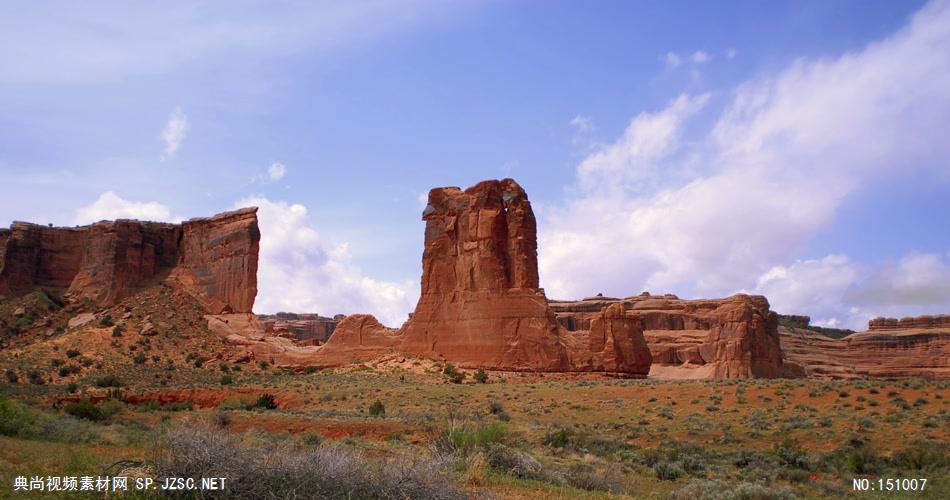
<point>891,348</point>
<point>104,262</point>
<point>735,337</point>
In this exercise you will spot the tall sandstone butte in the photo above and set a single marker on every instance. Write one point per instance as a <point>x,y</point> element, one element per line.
<point>481,305</point>
<point>104,262</point>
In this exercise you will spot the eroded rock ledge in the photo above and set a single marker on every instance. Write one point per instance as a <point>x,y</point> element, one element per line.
<point>215,258</point>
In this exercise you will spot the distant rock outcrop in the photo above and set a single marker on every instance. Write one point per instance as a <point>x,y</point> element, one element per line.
<point>891,348</point>
<point>306,329</point>
<point>481,305</point>
<point>215,257</point>
<point>735,337</point>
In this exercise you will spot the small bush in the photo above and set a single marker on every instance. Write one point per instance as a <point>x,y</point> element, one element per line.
<point>266,402</point>
<point>12,377</point>
<point>108,381</point>
<point>560,438</point>
<point>65,371</point>
<point>56,362</point>
<point>668,471</point>
<point>72,353</point>
<point>72,387</point>
<point>36,378</point>
<point>106,321</point>
<point>226,380</point>
<point>139,358</point>
<point>377,409</point>
<point>605,478</point>
<point>480,437</point>
<point>480,376</point>
<point>86,410</point>
<point>118,331</point>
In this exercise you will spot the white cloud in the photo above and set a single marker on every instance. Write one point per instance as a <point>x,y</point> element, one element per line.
<point>110,206</point>
<point>583,124</point>
<point>299,270</point>
<point>276,171</point>
<point>174,133</point>
<point>673,59</point>
<point>648,138</point>
<point>762,181</point>
<point>700,57</point>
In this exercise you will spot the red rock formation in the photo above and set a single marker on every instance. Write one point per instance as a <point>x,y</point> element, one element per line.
<point>736,337</point>
<point>910,347</point>
<point>305,328</point>
<point>481,305</point>
<point>106,261</point>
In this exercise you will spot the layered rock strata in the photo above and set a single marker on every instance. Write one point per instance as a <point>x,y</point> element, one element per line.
<point>891,348</point>
<point>306,329</point>
<point>215,257</point>
<point>735,337</point>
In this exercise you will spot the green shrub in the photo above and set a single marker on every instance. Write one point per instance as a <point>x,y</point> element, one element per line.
<point>36,377</point>
<point>86,410</point>
<point>480,376</point>
<point>65,371</point>
<point>56,362</point>
<point>265,401</point>
<point>72,387</point>
<point>377,409</point>
<point>668,471</point>
<point>108,381</point>
<point>118,331</point>
<point>479,437</point>
<point>72,353</point>
<point>106,321</point>
<point>227,380</point>
<point>560,438</point>
<point>12,377</point>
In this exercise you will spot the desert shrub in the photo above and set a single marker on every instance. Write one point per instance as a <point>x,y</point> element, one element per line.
<point>514,462</point>
<point>454,376</point>
<point>559,438</point>
<point>36,377</point>
<point>284,469</point>
<point>265,401</point>
<point>791,454</point>
<point>186,405</point>
<point>106,321</point>
<point>668,471</point>
<point>923,455</point>
<point>139,358</point>
<point>495,408</point>
<point>377,409</point>
<point>108,381</point>
<point>56,362</point>
<point>14,417</point>
<point>111,407</point>
<point>12,377</point>
<point>86,410</point>
<point>199,362</point>
<point>226,380</point>
<point>72,353</point>
<point>480,376</point>
<point>262,364</point>
<point>601,478</point>
<point>65,371</point>
<point>118,331</point>
<point>714,489</point>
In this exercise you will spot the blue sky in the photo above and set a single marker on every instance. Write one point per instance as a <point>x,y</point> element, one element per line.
<point>795,149</point>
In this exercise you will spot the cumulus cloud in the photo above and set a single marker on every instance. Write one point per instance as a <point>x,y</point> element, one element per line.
<point>764,179</point>
<point>110,206</point>
<point>174,133</point>
<point>276,171</point>
<point>700,57</point>
<point>302,271</point>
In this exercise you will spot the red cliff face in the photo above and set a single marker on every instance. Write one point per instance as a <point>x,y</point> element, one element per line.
<point>480,304</point>
<point>909,347</point>
<point>106,261</point>
<point>735,337</point>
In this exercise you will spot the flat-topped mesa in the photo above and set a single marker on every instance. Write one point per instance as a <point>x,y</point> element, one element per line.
<point>481,306</point>
<point>104,262</point>
<point>735,337</point>
<point>909,323</point>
